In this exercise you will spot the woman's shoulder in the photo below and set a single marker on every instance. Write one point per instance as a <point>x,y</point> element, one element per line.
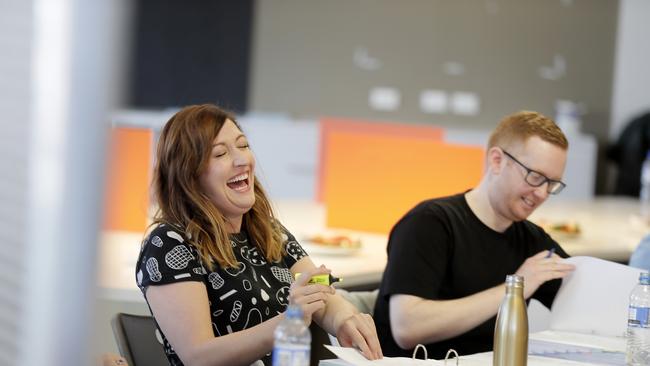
<point>166,235</point>
<point>285,234</point>
<point>167,256</point>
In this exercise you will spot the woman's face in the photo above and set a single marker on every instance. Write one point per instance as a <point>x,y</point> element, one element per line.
<point>229,178</point>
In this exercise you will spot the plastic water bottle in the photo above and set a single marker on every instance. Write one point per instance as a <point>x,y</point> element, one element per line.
<point>511,328</point>
<point>644,194</point>
<point>292,340</point>
<point>638,324</point>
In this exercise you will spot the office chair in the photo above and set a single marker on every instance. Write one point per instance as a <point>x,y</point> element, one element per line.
<point>363,300</point>
<point>628,154</point>
<point>137,341</point>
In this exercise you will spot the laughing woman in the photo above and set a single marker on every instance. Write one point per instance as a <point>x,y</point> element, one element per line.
<point>218,269</point>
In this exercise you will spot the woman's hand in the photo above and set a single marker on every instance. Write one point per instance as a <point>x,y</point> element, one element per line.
<point>310,297</point>
<point>359,331</point>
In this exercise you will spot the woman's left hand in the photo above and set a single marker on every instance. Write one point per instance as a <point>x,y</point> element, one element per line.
<point>359,331</point>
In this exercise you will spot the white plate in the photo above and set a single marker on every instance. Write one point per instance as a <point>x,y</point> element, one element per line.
<point>319,249</point>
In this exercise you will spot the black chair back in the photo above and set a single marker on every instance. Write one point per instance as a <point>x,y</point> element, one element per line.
<point>628,154</point>
<point>137,341</point>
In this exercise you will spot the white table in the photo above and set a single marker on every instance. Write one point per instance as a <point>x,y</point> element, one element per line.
<point>610,230</point>
<point>118,252</point>
<point>611,227</point>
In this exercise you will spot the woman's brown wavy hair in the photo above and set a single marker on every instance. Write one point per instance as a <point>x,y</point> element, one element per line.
<point>182,156</point>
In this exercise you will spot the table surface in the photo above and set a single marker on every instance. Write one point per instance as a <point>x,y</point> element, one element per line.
<point>610,226</point>
<point>610,230</point>
<point>563,344</point>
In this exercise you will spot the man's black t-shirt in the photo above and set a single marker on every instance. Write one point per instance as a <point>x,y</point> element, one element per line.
<point>440,250</point>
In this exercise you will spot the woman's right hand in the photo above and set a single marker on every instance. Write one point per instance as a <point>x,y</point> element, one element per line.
<point>310,297</point>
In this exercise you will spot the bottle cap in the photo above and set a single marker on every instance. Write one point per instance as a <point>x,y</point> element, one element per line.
<point>515,280</point>
<point>293,311</point>
<point>644,278</point>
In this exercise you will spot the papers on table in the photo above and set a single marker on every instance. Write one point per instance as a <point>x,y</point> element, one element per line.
<point>594,298</point>
<point>353,357</point>
<point>350,356</point>
<point>570,339</point>
<point>548,348</point>
<point>587,322</point>
<point>585,348</point>
<point>576,353</point>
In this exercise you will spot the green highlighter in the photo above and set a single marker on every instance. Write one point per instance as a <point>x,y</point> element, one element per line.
<point>323,279</point>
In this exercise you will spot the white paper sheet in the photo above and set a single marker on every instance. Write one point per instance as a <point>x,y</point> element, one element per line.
<point>353,357</point>
<point>616,344</point>
<point>577,353</point>
<point>594,298</point>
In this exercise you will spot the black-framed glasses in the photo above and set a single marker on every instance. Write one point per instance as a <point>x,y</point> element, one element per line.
<point>537,179</point>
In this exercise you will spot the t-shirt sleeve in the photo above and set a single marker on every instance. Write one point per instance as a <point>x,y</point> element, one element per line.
<point>293,250</point>
<point>418,251</point>
<point>166,257</point>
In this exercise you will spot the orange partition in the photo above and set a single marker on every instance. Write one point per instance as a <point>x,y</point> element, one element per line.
<point>331,125</point>
<point>127,179</point>
<point>373,180</point>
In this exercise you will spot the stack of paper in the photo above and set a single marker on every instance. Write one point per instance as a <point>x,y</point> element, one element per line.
<point>594,298</point>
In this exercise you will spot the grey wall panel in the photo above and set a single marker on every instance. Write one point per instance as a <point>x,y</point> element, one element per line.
<point>315,58</point>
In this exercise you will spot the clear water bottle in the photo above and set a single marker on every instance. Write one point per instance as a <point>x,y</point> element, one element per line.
<point>292,340</point>
<point>644,194</point>
<point>511,328</point>
<point>638,324</point>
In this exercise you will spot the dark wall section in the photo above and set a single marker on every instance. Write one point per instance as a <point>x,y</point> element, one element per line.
<point>192,51</point>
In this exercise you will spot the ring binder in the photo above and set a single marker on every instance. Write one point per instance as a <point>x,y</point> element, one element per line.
<point>415,351</point>
<point>451,351</point>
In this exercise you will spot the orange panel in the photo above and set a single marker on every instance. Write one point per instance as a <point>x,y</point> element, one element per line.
<point>127,180</point>
<point>373,180</point>
<point>330,125</point>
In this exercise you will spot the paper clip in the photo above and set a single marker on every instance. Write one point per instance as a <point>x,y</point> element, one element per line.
<point>455,356</point>
<point>415,351</point>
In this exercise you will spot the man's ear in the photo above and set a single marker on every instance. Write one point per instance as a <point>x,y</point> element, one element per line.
<point>495,160</point>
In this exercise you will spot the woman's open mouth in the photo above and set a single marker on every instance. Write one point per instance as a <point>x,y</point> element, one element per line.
<point>239,183</point>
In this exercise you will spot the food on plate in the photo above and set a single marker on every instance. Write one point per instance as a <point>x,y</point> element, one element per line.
<point>571,228</point>
<point>336,241</point>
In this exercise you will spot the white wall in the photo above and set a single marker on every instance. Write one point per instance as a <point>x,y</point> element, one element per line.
<point>57,82</point>
<point>580,171</point>
<point>631,94</point>
<point>15,34</point>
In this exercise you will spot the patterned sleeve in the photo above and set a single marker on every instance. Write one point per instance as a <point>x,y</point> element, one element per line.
<point>294,251</point>
<point>166,257</point>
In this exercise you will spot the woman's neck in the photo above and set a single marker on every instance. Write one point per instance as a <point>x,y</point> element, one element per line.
<point>233,224</point>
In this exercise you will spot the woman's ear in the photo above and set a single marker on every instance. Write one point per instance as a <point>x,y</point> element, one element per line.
<point>495,160</point>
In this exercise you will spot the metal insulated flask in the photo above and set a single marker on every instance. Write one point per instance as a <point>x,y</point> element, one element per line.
<point>511,329</point>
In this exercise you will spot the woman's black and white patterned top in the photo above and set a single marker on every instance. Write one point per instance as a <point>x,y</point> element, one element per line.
<point>239,298</point>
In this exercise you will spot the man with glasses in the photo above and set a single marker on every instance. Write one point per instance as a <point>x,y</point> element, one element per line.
<point>448,257</point>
